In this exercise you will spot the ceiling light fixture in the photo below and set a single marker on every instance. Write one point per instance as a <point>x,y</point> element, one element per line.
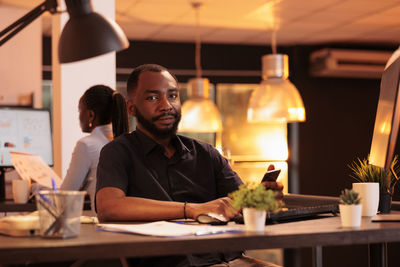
<point>276,99</point>
<point>87,34</point>
<point>199,113</point>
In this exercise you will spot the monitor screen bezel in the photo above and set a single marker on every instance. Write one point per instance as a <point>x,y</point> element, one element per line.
<point>10,107</point>
<point>390,78</point>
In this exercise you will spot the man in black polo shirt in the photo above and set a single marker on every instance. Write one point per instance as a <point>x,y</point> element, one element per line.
<point>154,174</point>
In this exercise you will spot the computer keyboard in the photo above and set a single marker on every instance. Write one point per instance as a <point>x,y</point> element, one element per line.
<point>301,212</point>
<point>298,208</point>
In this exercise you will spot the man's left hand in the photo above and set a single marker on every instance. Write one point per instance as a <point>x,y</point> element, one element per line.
<point>276,186</point>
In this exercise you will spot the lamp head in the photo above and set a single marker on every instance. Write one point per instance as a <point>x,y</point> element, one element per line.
<point>276,99</point>
<point>199,113</point>
<point>88,34</point>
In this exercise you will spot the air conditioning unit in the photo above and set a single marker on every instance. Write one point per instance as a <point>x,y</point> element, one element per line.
<point>331,62</point>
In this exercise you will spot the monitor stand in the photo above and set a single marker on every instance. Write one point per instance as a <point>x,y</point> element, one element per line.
<point>2,184</point>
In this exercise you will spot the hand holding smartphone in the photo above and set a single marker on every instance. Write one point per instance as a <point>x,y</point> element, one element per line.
<point>271,176</point>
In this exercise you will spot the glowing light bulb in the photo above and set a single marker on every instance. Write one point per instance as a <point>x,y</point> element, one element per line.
<point>276,99</point>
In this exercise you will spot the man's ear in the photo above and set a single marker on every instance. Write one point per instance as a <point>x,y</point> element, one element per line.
<point>131,107</point>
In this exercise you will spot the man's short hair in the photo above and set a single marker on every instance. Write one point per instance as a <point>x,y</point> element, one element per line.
<point>134,76</point>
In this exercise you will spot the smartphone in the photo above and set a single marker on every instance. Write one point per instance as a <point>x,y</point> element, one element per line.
<point>271,176</point>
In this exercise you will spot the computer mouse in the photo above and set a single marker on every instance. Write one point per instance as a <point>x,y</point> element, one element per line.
<point>212,218</point>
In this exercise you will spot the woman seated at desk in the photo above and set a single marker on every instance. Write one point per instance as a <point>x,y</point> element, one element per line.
<point>101,113</point>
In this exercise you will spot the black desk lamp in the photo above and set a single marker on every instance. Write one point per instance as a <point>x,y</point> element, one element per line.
<point>87,34</point>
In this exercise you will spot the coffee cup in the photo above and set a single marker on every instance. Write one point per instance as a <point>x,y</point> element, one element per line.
<point>21,190</point>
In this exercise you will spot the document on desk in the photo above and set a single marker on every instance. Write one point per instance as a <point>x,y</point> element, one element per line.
<point>32,167</point>
<point>386,218</point>
<point>168,229</point>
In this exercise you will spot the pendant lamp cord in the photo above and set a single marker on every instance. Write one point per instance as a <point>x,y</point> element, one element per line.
<point>273,41</point>
<point>196,5</point>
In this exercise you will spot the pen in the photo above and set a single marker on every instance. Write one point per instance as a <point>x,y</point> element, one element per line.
<point>45,198</point>
<point>53,183</point>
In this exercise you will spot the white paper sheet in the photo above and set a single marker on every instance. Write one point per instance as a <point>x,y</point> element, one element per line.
<point>33,167</point>
<point>168,229</point>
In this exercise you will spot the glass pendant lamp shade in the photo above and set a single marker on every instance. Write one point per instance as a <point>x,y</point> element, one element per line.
<point>88,34</point>
<point>276,99</point>
<point>199,113</point>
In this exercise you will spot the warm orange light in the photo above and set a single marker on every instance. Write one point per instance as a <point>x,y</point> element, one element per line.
<point>272,143</point>
<point>386,126</point>
<point>297,114</point>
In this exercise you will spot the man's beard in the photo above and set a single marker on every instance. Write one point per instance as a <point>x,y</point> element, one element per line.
<point>152,128</point>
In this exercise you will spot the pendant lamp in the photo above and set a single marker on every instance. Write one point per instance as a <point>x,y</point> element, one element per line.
<point>199,113</point>
<point>276,99</point>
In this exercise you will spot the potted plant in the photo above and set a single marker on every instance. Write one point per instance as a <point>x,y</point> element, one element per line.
<point>350,208</point>
<point>255,200</point>
<point>368,173</point>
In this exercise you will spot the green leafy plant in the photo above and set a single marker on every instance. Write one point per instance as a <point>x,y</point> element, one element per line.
<point>349,197</point>
<point>368,173</point>
<point>258,197</point>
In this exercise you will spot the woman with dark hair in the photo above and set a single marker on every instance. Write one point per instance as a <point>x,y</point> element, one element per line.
<point>103,114</point>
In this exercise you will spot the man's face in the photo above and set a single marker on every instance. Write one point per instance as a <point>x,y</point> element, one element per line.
<point>155,103</point>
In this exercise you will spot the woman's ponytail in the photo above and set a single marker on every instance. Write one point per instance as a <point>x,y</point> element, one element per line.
<point>119,115</point>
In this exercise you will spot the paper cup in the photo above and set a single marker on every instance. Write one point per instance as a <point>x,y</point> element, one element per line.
<point>20,189</point>
<point>369,194</point>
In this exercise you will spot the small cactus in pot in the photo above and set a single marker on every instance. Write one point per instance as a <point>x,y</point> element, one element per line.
<point>349,197</point>
<point>350,208</point>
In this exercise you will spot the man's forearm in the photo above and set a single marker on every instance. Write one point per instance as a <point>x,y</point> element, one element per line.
<point>113,205</point>
<point>139,209</point>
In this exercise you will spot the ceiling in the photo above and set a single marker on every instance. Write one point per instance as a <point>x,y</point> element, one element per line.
<point>252,21</point>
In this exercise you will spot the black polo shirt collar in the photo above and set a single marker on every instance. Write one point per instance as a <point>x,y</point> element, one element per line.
<point>149,144</point>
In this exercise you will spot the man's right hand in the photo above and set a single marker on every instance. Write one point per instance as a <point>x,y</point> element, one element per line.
<point>221,206</point>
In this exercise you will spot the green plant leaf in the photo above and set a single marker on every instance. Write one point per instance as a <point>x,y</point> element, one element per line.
<point>364,173</point>
<point>255,196</point>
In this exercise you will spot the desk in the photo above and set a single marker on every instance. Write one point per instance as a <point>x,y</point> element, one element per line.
<point>9,205</point>
<point>92,244</point>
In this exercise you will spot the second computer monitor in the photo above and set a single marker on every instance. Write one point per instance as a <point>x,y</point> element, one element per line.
<point>25,130</point>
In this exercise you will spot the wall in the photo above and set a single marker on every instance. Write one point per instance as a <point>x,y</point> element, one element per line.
<point>21,65</point>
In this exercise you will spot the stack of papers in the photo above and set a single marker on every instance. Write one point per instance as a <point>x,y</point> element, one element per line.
<point>23,225</point>
<point>168,229</point>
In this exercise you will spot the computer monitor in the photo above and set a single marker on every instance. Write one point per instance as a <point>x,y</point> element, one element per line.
<point>387,118</point>
<point>24,130</point>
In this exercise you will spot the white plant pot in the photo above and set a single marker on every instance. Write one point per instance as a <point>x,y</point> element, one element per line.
<point>254,220</point>
<point>350,215</point>
<point>369,194</point>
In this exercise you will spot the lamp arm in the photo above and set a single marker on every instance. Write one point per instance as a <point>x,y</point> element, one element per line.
<point>21,23</point>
